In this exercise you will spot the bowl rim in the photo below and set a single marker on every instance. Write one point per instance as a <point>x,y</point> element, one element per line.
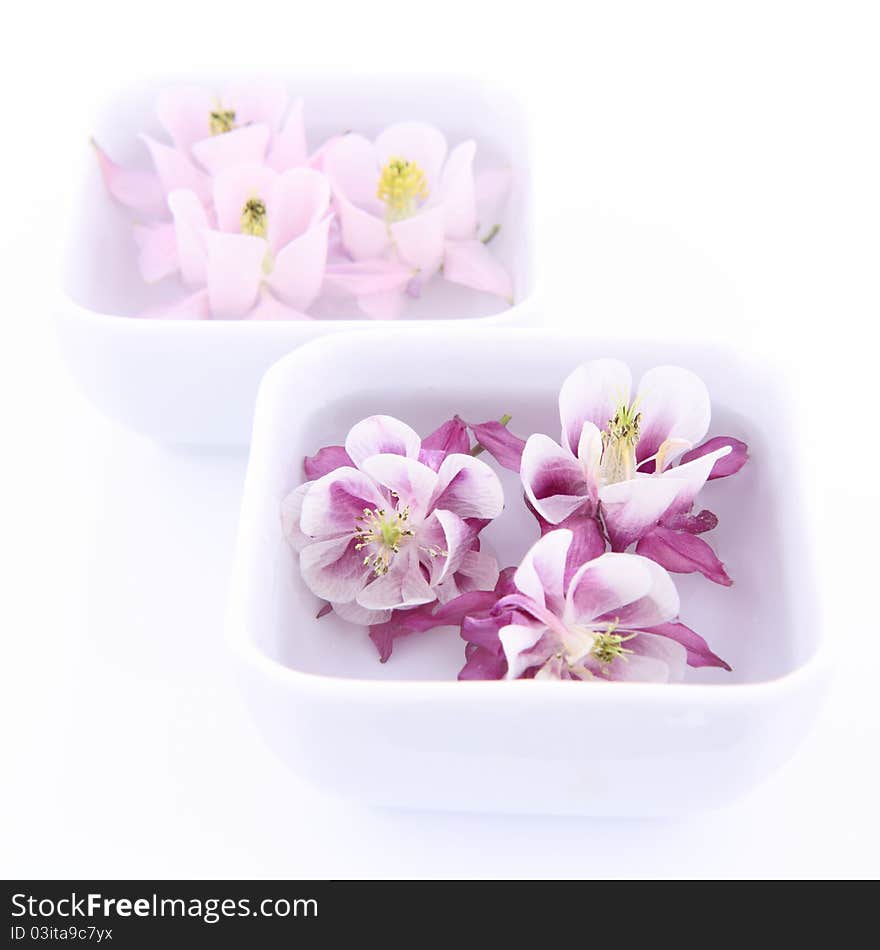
<point>816,667</point>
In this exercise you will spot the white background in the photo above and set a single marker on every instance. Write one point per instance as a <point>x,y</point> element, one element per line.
<point>706,171</point>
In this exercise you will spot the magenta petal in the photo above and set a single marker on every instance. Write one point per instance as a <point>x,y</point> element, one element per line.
<point>449,438</point>
<point>326,460</point>
<point>730,464</point>
<point>482,664</point>
<point>683,553</point>
<point>587,540</point>
<point>693,524</point>
<point>698,652</point>
<point>500,443</point>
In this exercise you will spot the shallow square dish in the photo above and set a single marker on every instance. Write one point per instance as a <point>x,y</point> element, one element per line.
<point>406,733</point>
<point>196,381</point>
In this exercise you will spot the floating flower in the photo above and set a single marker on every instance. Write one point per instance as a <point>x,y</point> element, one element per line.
<point>615,619</point>
<point>631,461</point>
<point>386,531</point>
<point>245,122</point>
<point>264,258</point>
<point>403,201</point>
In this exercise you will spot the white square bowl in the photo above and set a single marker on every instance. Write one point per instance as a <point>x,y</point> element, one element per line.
<point>406,733</point>
<point>195,382</point>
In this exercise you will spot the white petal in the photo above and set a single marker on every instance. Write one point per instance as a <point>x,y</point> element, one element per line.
<point>632,507</point>
<point>381,435</point>
<point>541,573</point>
<point>468,487</point>
<point>333,569</point>
<point>336,501</point>
<point>674,404</point>
<point>516,641</point>
<point>412,482</point>
<point>553,479</point>
<point>605,585</point>
<point>592,393</point>
<point>402,586</point>
<point>291,511</point>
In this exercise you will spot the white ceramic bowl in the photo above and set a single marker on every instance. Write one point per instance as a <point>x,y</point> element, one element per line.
<point>405,733</point>
<point>196,382</point>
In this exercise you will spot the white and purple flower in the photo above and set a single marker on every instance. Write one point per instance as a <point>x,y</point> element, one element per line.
<point>630,462</point>
<point>615,618</point>
<point>389,522</point>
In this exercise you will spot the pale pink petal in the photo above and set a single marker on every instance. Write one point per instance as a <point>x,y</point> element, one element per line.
<point>235,272</point>
<point>364,235</point>
<point>289,148</point>
<point>411,481</point>
<point>335,503</point>
<point>592,393</point>
<point>381,435</point>
<point>296,201</point>
<point>233,187</point>
<point>541,573</point>
<point>365,278</point>
<point>402,586</point>
<point>255,101</point>
<point>606,585</point>
<point>193,307</point>
<point>351,164</point>
<point>140,190</point>
<point>633,507</point>
<point>674,404</point>
<point>298,268</point>
<point>157,251</point>
<point>457,192</point>
<point>291,510</point>
<point>389,305</point>
<point>190,227</point>
<point>419,240</point>
<point>185,114</point>
<point>334,570</point>
<point>553,479</point>
<point>468,487</point>
<point>175,170</point>
<point>415,142</point>
<point>268,307</point>
<point>473,265</point>
<point>244,146</point>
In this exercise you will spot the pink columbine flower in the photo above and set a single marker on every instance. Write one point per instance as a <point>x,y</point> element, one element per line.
<point>261,254</point>
<point>632,461</point>
<point>388,531</point>
<point>406,210</point>
<point>614,619</point>
<point>245,122</point>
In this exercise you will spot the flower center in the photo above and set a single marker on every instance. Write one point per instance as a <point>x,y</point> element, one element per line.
<point>619,440</point>
<point>608,646</point>
<point>253,218</point>
<point>403,187</point>
<point>221,120</point>
<point>382,533</point>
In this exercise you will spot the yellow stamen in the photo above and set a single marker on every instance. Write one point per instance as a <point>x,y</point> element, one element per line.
<point>221,120</point>
<point>253,218</point>
<point>608,645</point>
<point>619,441</point>
<point>403,187</point>
<point>382,534</point>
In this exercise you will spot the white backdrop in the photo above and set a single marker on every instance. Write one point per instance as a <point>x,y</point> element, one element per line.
<point>706,171</point>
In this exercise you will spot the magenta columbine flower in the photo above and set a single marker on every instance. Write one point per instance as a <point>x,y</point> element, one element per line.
<point>406,210</point>
<point>396,524</point>
<point>614,619</point>
<point>630,460</point>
